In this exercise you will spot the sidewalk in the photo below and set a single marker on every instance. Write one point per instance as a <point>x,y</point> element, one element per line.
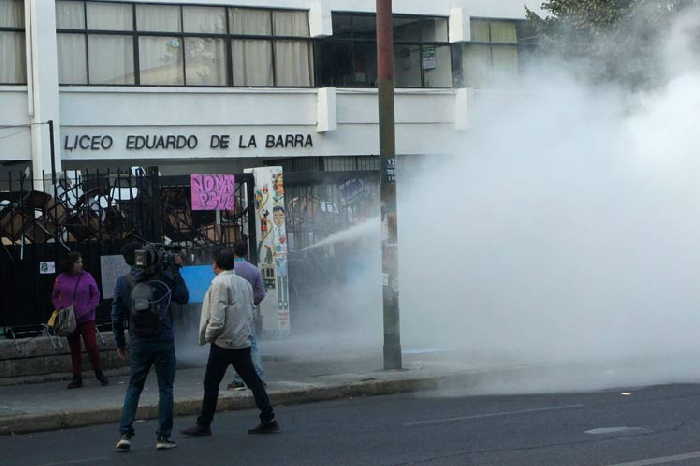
<point>49,406</point>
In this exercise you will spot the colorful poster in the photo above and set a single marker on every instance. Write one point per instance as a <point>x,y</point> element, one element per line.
<point>212,192</point>
<point>270,213</point>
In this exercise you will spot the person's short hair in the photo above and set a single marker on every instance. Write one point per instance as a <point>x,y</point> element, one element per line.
<point>128,251</point>
<point>71,258</point>
<point>278,208</point>
<point>241,249</point>
<point>225,259</point>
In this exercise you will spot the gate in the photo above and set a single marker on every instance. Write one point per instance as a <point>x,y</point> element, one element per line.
<point>319,205</point>
<point>96,213</point>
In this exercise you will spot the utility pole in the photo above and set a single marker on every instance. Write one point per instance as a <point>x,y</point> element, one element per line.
<point>387,185</point>
<point>53,157</point>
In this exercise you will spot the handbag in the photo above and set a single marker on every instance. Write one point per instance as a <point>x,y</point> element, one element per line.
<point>62,321</point>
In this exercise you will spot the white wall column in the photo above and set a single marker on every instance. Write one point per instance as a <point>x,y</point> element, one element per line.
<point>460,28</point>
<point>42,78</point>
<point>327,114</point>
<point>320,22</point>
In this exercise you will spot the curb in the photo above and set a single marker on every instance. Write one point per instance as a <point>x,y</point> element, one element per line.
<point>25,424</point>
<point>57,377</point>
<point>115,372</point>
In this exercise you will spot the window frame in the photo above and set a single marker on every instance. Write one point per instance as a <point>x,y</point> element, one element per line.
<point>227,36</point>
<point>421,45</point>
<point>490,42</point>
<point>497,20</point>
<point>22,30</point>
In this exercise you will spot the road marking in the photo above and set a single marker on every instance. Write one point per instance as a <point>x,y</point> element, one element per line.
<point>618,430</point>
<point>498,414</point>
<point>83,461</point>
<point>661,459</point>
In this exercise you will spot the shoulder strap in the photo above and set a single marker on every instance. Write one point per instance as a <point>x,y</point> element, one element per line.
<point>75,290</point>
<point>130,283</point>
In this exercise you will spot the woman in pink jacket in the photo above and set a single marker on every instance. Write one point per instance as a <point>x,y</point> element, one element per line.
<point>78,288</point>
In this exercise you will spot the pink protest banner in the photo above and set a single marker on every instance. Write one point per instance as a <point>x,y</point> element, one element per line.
<point>212,192</point>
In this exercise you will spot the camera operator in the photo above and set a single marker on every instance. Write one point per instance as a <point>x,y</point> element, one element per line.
<point>144,298</point>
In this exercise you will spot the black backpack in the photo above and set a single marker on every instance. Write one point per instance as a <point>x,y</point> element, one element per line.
<point>145,315</point>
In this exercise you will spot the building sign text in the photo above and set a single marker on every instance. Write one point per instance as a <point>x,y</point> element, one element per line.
<point>180,142</point>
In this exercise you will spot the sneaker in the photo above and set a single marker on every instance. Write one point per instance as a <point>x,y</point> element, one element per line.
<point>164,443</point>
<point>124,443</point>
<point>236,385</point>
<point>197,431</point>
<point>265,428</point>
<point>104,381</point>
<point>76,383</point>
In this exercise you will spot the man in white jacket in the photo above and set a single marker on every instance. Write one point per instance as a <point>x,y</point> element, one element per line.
<point>227,317</point>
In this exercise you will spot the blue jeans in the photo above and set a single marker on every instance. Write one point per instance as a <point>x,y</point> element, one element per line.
<point>143,355</point>
<point>257,360</point>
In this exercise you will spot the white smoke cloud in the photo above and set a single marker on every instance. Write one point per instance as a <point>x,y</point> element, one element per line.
<point>564,229</point>
<point>561,234</point>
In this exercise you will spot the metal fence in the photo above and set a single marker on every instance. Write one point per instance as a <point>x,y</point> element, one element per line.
<point>44,218</point>
<point>318,205</point>
<point>324,204</point>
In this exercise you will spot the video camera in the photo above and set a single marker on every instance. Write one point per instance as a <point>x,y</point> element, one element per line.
<point>154,258</point>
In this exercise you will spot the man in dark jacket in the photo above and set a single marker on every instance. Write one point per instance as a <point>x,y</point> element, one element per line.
<point>157,350</point>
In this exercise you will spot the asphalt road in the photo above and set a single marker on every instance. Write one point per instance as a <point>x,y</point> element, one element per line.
<point>663,428</point>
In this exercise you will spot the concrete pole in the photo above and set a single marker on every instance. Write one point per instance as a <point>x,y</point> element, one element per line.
<point>390,259</point>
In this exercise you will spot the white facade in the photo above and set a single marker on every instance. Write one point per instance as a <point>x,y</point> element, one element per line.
<point>109,123</point>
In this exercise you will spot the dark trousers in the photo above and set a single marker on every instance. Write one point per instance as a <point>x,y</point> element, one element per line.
<point>219,361</point>
<point>143,355</point>
<point>88,331</point>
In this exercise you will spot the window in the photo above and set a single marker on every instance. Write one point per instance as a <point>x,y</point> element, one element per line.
<point>205,62</point>
<point>270,47</point>
<point>202,19</point>
<point>158,18</point>
<point>251,58</point>
<point>492,56</point>
<point>423,56</point>
<point>110,59</point>
<point>252,63</point>
<point>293,63</point>
<point>161,61</point>
<point>95,44</point>
<point>13,58</point>
<point>407,65</point>
<point>149,44</point>
<point>109,16</point>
